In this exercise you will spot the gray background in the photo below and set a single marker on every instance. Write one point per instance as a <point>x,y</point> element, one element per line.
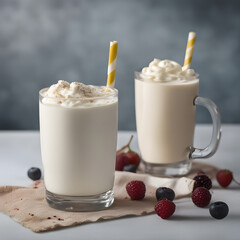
<point>42,41</point>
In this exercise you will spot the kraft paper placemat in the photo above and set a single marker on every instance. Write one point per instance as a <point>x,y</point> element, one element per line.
<point>27,205</point>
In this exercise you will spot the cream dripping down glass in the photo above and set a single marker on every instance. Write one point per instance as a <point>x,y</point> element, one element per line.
<point>166,97</point>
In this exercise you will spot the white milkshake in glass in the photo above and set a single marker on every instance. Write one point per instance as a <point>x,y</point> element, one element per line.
<point>78,126</point>
<point>165,104</point>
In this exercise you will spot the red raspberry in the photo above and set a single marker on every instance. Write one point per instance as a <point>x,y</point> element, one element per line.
<point>136,190</point>
<point>202,181</point>
<point>165,208</point>
<point>201,197</point>
<point>224,177</point>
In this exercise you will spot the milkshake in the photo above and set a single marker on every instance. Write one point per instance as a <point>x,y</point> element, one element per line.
<point>164,104</point>
<point>165,107</point>
<point>78,126</point>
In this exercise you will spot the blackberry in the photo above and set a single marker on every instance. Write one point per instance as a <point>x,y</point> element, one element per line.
<point>202,181</point>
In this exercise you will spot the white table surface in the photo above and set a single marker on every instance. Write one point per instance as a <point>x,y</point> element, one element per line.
<point>20,150</point>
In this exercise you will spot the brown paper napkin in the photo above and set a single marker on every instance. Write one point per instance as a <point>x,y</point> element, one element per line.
<point>27,205</point>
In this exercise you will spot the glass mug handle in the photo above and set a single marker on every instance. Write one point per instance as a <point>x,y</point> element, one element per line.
<point>216,133</point>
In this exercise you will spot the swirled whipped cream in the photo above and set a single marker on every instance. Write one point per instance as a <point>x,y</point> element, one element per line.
<point>76,94</point>
<point>167,71</point>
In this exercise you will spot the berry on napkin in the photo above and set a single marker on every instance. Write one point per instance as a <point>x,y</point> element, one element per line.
<point>136,190</point>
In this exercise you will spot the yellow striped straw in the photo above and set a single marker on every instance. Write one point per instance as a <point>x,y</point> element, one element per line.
<point>189,50</point>
<point>112,63</point>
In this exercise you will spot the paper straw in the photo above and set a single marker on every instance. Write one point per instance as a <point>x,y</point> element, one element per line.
<point>112,63</point>
<point>189,50</point>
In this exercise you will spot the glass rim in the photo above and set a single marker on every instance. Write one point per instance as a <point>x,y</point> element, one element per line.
<point>137,76</point>
<point>111,95</point>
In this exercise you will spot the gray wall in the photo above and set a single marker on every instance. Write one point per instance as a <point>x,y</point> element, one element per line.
<point>42,41</point>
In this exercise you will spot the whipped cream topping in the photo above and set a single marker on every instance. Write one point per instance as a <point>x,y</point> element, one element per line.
<point>167,71</point>
<point>76,94</point>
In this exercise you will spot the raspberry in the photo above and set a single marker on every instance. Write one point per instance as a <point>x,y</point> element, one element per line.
<point>224,177</point>
<point>202,181</point>
<point>165,208</point>
<point>201,197</point>
<point>136,190</point>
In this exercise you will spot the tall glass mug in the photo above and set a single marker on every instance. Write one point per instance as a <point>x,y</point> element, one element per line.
<point>166,118</point>
<point>78,146</point>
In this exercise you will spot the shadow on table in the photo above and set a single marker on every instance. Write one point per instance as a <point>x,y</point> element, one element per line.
<point>200,218</point>
<point>234,187</point>
<point>234,216</point>
<point>188,218</point>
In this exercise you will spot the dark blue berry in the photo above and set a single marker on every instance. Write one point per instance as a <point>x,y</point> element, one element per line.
<point>218,210</point>
<point>130,168</point>
<point>34,173</point>
<point>165,193</point>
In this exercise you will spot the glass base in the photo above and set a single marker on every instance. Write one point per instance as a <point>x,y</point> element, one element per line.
<point>80,204</point>
<point>174,169</point>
